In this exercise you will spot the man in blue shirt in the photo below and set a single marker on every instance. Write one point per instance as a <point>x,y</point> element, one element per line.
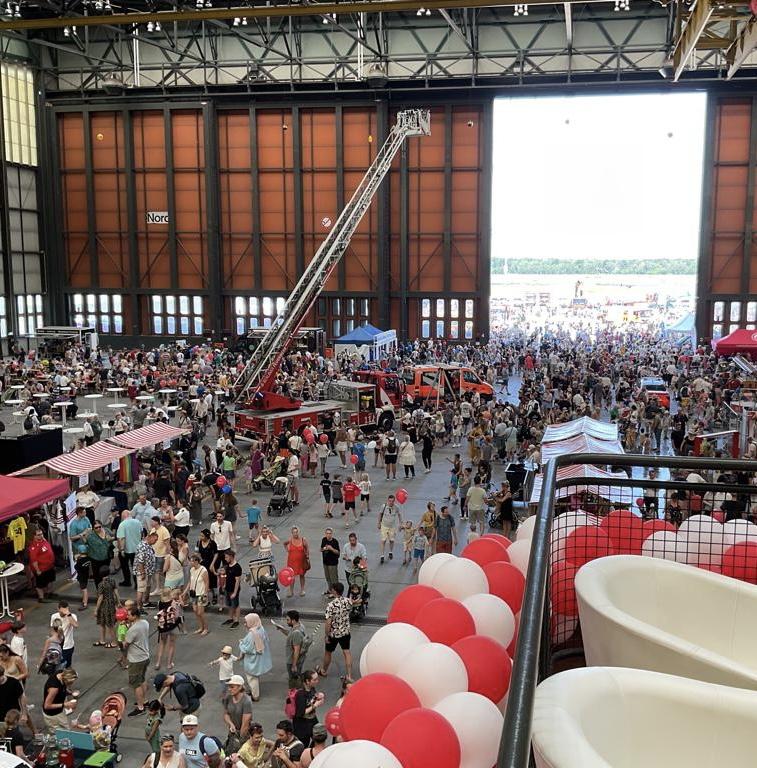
<point>253,518</point>
<point>129,534</point>
<point>199,750</point>
<point>143,511</point>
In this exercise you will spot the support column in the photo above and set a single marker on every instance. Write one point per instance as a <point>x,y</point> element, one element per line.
<point>704,274</point>
<point>5,224</point>
<point>447,233</point>
<point>746,262</point>
<point>339,127</point>
<point>482,309</point>
<point>257,264</point>
<point>173,259</point>
<point>404,240</point>
<point>94,267</point>
<point>299,249</point>
<point>383,210</point>
<point>131,217</point>
<point>212,198</point>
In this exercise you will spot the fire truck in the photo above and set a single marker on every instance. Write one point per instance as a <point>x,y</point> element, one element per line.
<point>258,408</point>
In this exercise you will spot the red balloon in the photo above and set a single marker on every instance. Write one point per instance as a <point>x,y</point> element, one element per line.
<point>625,531</point>
<point>401,495</point>
<point>740,561</point>
<point>286,577</point>
<point>408,602</point>
<point>587,543</point>
<point>445,621</point>
<point>488,665</point>
<point>372,703</point>
<point>485,551</point>
<point>719,516</point>
<point>324,438</point>
<point>221,481</point>
<point>309,438</point>
<point>507,582</point>
<point>514,642</point>
<point>331,721</point>
<point>652,526</point>
<point>354,459</point>
<point>710,567</point>
<point>562,589</point>
<point>503,540</point>
<point>439,746</point>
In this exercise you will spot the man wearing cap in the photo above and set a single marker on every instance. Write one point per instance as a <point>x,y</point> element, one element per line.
<point>237,711</point>
<point>320,737</point>
<point>182,688</point>
<point>199,750</point>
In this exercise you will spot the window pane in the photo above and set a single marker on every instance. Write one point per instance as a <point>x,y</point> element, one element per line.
<point>157,324</point>
<point>321,306</point>
<point>349,325</point>
<point>735,311</point>
<point>30,303</point>
<point>2,306</point>
<point>468,329</point>
<point>364,307</point>
<point>197,305</point>
<point>92,321</point>
<point>336,328</point>
<point>749,326</point>
<point>198,326</point>
<point>440,307</point>
<point>733,327</point>
<point>184,323</point>
<point>105,323</point>
<point>20,303</point>
<point>78,302</point>
<point>254,322</point>
<point>171,324</point>
<point>79,321</point>
<point>717,331</point>
<point>751,311</point>
<point>425,307</point>
<point>170,305</point>
<point>267,322</point>
<point>32,326</point>
<point>425,328</point>
<point>240,326</point>
<point>40,321</point>
<point>336,306</point>
<point>440,329</point>
<point>22,325</point>
<point>280,302</point>
<point>268,306</point>
<point>454,307</point>
<point>3,328</point>
<point>104,302</point>
<point>157,305</point>
<point>254,310</point>
<point>349,307</point>
<point>468,309</point>
<point>717,311</point>
<point>240,306</point>
<point>118,324</point>
<point>453,328</point>
<point>116,303</point>
<point>91,302</point>
<point>184,305</point>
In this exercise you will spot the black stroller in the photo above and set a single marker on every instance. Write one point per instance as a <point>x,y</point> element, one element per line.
<point>357,590</point>
<point>265,587</point>
<point>281,501</point>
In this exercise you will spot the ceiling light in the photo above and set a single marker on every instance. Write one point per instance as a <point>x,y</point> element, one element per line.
<point>17,11</point>
<point>521,9</point>
<point>244,21</point>
<point>428,12</point>
<point>237,21</point>
<point>157,26</point>
<point>66,31</point>
<point>150,26</point>
<point>107,6</point>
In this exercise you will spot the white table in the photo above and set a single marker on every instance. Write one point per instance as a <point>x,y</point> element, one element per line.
<point>117,405</point>
<point>41,395</point>
<point>63,405</point>
<point>84,414</point>
<point>5,603</point>
<point>17,386</point>
<point>17,416</point>
<point>144,398</point>
<point>50,427</point>
<point>13,402</point>
<point>94,398</point>
<point>116,391</point>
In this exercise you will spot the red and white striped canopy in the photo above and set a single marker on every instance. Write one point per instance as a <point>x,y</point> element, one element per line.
<point>87,459</point>
<point>579,444</point>
<point>581,472</point>
<point>152,434</point>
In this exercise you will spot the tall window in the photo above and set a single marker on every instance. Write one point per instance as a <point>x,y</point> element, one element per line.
<point>338,316</point>
<point>254,312</point>
<point>3,317</point>
<point>447,319</point>
<point>20,118</point>
<point>29,308</point>
<point>103,312</point>
<point>174,315</point>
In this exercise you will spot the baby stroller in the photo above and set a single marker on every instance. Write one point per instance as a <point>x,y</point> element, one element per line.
<point>113,708</point>
<point>265,586</point>
<point>268,476</point>
<point>281,501</point>
<point>357,589</point>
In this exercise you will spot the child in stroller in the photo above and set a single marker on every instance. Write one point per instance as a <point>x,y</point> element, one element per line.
<point>265,586</point>
<point>268,476</point>
<point>103,723</point>
<point>281,501</point>
<point>358,592</point>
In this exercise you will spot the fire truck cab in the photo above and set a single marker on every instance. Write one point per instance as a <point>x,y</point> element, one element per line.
<point>429,382</point>
<point>390,388</point>
<point>362,404</point>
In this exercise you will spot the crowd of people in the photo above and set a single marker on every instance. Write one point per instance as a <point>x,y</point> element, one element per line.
<point>176,546</point>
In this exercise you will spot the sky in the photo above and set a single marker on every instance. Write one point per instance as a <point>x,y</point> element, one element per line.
<point>598,177</point>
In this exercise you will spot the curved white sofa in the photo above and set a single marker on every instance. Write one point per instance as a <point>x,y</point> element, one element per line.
<point>655,614</point>
<point>607,717</point>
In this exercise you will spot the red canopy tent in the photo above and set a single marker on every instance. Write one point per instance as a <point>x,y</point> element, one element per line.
<point>740,342</point>
<point>19,494</point>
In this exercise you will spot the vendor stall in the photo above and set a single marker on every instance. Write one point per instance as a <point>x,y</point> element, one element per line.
<point>368,342</point>
<point>740,342</point>
<point>600,430</point>
<point>579,444</point>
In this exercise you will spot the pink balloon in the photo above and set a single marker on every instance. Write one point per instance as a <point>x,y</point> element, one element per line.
<point>286,577</point>
<point>485,551</point>
<point>445,621</point>
<point>354,459</point>
<point>587,543</point>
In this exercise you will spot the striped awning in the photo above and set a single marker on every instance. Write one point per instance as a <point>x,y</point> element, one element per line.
<point>152,434</point>
<point>581,473</point>
<point>579,444</point>
<point>87,459</point>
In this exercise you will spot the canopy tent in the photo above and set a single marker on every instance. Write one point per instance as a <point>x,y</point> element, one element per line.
<point>580,473</point>
<point>579,444</point>
<point>583,426</point>
<point>740,341</point>
<point>368,341</point>
<point>19,494</point>
<point>684,330</point>
<point>152,434</point>
<point>87,459</point>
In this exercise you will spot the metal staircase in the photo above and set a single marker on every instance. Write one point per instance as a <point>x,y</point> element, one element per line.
<point>260,372</point>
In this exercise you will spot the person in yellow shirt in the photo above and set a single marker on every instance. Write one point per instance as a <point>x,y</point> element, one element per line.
<point>161,547</point>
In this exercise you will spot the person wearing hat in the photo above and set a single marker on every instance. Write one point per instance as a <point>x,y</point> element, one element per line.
<point>225,668</point>
<point>198,749</point>
<point>237,713</point>
<point>187,700</point>
<point>320,736</point>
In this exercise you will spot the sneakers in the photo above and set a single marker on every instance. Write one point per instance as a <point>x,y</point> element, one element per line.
<point>382,560</point>
<point>136,712</point>
<point>234,624</point>
<point>228,621</point>
<point>391,555</point>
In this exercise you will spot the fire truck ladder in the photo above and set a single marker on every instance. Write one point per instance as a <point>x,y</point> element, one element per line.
<point>260,372</point>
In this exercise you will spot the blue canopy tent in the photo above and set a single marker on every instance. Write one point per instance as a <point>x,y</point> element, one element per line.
<point>368,341</point>
<point>684,330</point>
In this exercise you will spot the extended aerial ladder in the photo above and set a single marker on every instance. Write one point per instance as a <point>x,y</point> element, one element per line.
<point>255,384</point>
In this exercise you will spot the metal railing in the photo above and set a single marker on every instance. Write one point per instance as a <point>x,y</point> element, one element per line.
<point>533,656</point>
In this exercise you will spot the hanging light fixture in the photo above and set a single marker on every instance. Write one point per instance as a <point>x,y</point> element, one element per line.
<point>237,21</point>
<point>521,9</point>
<point>244,21</point>
<point>150,26</point>
<point>157,26</point>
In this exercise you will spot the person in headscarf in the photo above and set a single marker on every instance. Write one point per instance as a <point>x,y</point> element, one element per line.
<point>255,650</point>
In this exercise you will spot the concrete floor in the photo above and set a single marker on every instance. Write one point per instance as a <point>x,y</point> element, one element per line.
<point>100,674</point>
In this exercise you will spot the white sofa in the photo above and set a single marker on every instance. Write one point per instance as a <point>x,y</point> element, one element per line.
<point>607,717</point>
<point>663,616</point>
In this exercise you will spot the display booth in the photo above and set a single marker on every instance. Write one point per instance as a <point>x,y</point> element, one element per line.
<point>684,332</point>
<point>740,342</point>
<point>368,342</point>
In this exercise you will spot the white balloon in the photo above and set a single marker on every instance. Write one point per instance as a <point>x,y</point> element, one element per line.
<point>432,565</point>
<point>372,445</point>
<point>460,578</point>
<point>661,544</point>
<point>735,531</point>
<point>520,553</point>
<point>492,616</point>
<point>349,754</point>
<point>389,646</point>
<point>478,725</point>
<point>526,528</point>
<point>562,526</point>
<point>363,661</point>
<point>434,671</point>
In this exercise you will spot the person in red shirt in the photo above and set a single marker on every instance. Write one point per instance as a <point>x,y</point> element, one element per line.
<point>350,491</point>
<point>42,563</point>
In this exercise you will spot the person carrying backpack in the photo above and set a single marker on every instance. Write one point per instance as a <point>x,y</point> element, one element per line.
<point>186,689</point>
<point>391,449</point>
<point>199,749</point>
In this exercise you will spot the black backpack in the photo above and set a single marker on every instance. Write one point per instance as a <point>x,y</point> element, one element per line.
<point>391,447</point>
<point>199,689</point>
<point>28,423</point>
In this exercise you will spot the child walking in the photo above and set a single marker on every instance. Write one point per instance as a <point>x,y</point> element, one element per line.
<point>408,534</point>
<point>225,664</point>
<point>420,544</point>
<point>365,493</point>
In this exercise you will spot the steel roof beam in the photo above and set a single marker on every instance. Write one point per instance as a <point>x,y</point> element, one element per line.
<point>742,47</point>
<point>687,42</point>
